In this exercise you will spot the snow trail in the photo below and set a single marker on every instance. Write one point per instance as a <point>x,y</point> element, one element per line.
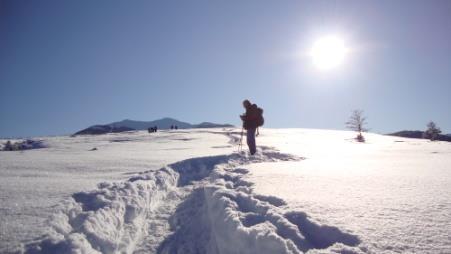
<point>198,205</point>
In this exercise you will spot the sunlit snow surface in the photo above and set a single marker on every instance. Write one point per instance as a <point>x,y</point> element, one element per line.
<point>192,192</point>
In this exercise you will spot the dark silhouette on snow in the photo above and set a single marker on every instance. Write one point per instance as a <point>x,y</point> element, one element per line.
<point>252,119</point>
<point>152,129</point>
<point>356,123</point>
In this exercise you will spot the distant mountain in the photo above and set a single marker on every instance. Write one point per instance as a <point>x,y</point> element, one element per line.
<point>162,124</point>
<point>418,134</point>
<point>102,129</point>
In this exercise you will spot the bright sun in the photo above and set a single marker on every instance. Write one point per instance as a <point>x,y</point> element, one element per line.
<point>328,52</point>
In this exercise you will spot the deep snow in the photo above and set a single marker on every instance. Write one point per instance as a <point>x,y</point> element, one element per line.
<point>192,192</point>
<point>34,182</point>
<point>394,193</point>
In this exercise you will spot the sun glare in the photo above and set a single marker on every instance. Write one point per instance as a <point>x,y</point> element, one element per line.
<point>328,52</point>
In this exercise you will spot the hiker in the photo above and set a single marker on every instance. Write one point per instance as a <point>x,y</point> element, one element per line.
<point>252,119</point>
<point>152,129</point>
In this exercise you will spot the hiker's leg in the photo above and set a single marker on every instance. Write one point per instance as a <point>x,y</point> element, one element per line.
<point>250,138</point>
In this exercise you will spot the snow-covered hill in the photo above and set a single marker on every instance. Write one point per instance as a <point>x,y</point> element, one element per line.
<point>190,191</point>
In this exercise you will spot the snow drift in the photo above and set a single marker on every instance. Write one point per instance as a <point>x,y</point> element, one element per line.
<point>199,205</point>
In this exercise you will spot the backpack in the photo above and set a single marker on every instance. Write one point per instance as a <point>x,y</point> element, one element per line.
<point>260,120</point>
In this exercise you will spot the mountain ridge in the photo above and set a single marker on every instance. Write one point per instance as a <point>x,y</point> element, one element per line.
<point>418,134</point>
<point>130,125</point>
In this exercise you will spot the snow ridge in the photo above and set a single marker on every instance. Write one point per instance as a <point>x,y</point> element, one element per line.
<point>109,219</point>
<point>199,205</point>
<point>224,216</point>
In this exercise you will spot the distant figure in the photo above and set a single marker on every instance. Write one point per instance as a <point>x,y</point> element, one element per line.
<point>176,127</point>
<point>172,127</point>
<point>152,129</point>
<point>252,119</point>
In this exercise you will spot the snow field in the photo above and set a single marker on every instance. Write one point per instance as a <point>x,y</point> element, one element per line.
<point>394,193</point>
<point>34,183</point>
<point>212,211</point>
<point>317,191</point>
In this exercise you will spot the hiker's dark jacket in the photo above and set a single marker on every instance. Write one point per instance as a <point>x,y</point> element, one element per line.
<point>250,118</point>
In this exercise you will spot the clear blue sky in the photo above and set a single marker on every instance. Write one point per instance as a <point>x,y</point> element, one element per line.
<point>66,65</point>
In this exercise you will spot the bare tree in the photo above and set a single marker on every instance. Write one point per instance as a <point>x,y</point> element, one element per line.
<point>432,131</point>
<point>356,123</point>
